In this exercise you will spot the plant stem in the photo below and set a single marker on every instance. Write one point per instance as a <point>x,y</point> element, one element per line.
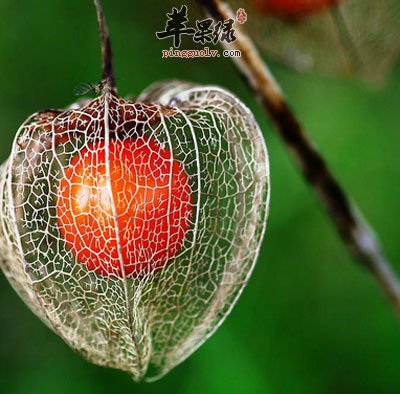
<point>108,76</point>
<point>354,231</point>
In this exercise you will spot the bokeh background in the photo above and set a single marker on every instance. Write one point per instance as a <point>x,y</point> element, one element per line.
<point>310,320</point>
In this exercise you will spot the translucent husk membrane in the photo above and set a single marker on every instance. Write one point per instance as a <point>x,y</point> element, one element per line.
<point>143,324</point>
<point>358,37</point>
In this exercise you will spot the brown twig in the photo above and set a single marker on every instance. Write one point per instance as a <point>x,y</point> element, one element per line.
<point>358,237</point>
<point>106,51</point>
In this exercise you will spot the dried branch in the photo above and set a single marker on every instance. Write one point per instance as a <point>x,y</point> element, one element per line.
<point>356,234</point>
<point>106,50</point>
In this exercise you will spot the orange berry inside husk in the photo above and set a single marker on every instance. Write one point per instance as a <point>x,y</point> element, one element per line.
<point>292,9</point>
<point>126,211</point>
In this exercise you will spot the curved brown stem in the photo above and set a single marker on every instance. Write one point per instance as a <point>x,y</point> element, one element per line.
<point>359,239</point>
<point>106,50</point>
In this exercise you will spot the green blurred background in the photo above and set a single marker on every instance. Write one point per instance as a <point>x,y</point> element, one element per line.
<point>310,320</point>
